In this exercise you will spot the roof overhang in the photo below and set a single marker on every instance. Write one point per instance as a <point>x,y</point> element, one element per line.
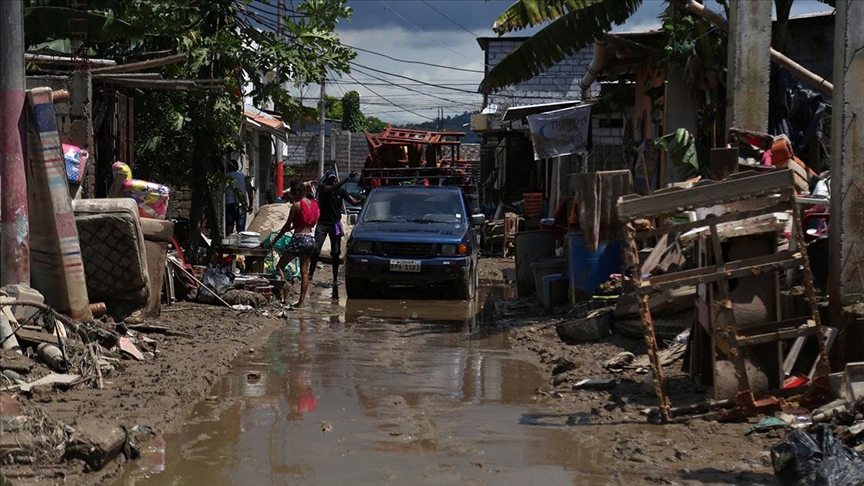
<point>262,121</point>
<point>519,112</point>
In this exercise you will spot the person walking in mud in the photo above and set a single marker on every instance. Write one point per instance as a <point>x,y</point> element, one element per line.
<point>331,195</point>
<point>302,217</point>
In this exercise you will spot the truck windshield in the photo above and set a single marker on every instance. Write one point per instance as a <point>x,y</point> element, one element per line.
<point>415,207</point>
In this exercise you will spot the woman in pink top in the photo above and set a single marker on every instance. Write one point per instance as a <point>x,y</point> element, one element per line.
<point>301,219</point>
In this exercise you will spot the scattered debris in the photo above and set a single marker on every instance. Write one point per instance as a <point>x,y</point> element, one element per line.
<point>130,349</point>
<point>595,384</point>
<point>326,427</point>
<point>52,379</point>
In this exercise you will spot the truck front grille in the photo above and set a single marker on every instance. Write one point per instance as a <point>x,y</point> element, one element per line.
<point>406,249</point>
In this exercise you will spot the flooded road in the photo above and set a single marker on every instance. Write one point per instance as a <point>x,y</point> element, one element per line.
<point>375,392</point>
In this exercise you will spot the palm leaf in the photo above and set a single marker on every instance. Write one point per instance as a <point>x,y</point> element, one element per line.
<point>528,13</point>
<point>569,33</point>
<point>832,3</point>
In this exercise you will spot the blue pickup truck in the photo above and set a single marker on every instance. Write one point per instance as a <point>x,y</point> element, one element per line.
<point>416,236</point>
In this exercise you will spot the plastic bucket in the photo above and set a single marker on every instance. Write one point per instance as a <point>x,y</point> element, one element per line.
<point>531,246</point>
<point>588,270</point>
<point>550,266</point>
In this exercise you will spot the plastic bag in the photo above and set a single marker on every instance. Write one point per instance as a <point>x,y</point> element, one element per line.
<point>816,459</point>
<point>218,279</point>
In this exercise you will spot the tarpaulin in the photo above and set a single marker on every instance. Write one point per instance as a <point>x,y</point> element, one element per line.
<point>560,132</point>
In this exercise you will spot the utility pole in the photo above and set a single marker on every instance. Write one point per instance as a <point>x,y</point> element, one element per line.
<point>321,135</point>
<point>14,214</point>
<point>847,163</point>
<point>279,169</point>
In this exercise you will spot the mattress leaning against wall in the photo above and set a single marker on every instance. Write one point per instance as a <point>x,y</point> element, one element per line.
<point>112,247</point>
<point>56,268</point>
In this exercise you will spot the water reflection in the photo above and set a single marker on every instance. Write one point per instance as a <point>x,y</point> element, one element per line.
<point>413,393</point>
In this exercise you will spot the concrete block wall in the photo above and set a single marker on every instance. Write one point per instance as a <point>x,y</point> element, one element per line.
<point>558,83</point>
<point>75,116</point>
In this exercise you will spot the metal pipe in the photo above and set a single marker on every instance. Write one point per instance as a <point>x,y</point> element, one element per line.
<point>14,215</point>
<point>598,64</point>
<point>46,59</point>
<point>321,134</point>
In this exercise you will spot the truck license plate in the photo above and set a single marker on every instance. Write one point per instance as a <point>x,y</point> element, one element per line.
<point>405,266</point>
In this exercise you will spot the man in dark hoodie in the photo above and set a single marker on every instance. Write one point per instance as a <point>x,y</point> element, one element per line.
<point>330,197</point>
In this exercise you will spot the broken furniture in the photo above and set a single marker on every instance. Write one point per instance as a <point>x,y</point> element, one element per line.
<point>720,272</point>
<point>158,235</point>
<point>113,252</point>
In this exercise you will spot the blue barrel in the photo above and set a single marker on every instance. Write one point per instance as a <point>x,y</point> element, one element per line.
<point>589,270</point>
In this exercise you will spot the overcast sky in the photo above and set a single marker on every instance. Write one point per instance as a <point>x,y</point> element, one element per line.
<point>440,32</point>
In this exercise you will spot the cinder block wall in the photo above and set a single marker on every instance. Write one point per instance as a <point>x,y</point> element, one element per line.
<point>558,83</point>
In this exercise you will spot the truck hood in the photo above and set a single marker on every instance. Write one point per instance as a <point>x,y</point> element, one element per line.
<point>401,231</point>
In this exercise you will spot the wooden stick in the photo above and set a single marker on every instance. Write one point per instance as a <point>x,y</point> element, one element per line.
<point>200,283</point>
<point>92,353</point>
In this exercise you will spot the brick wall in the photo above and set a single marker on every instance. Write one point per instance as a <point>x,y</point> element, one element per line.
<point>558,83</point>
<point>303,149</point>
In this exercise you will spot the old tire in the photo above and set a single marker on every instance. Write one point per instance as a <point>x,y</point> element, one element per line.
<point>467,285</point>
<point>357,288</point>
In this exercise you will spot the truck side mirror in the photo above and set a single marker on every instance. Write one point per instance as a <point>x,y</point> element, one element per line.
<point>352,219</point>
<point>478,219</point>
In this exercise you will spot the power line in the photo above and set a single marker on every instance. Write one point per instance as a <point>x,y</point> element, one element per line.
<point>415,62</point>
<point>451,20</point>
<point>385,99</point>
<point>412,79</point>
<point>425,33</point>
<point>410,89</point>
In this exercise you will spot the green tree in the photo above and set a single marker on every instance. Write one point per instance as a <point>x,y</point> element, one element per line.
<point>352,118</point>
<point>375,125</point>
<point>183,138</point>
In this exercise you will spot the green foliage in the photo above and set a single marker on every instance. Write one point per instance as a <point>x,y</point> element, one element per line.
<point>352,118</point>
<point>182,138</point>
<point>583,22</point>
<point>375,125</point>
<point>684,151</point>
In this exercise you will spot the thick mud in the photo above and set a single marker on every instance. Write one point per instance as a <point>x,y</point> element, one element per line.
<point>406,391</point>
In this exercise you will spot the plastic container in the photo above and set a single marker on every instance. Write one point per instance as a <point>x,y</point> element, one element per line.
<point>531,246</point>
<point>550,266</point>
<point>588,270</point>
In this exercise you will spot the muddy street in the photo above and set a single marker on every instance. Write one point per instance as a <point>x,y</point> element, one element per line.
<point>429,392</point>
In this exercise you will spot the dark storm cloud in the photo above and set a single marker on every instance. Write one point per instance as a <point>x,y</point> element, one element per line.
<point>474,15</point>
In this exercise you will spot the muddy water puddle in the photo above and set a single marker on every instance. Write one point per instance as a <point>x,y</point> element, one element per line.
<point>376,392</point>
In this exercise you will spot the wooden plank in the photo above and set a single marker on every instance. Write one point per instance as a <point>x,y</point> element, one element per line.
<point>703,196</point>
<point>773,326</point>
<point>736,269</point>
<point>779,335</point>
<point>734,216</point>
<point>36,337</point>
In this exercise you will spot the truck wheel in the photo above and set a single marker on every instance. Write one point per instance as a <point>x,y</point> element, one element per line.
<point>357,288</point>
<point>467,286</point>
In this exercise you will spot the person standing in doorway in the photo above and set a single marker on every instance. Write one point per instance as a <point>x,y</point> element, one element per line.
<point>331,195</point>
<point>235,215</point>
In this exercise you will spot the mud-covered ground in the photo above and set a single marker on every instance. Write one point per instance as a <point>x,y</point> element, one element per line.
<point>146,397</point>
<point>607,434</point>
<point>697,452</point>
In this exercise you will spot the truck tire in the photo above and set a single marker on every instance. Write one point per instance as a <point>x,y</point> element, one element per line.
<point>357,288</point>
<point>467,286</point>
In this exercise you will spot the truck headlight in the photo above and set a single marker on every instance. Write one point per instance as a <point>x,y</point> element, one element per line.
<point>448,249</point>
<point>363,246</point>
